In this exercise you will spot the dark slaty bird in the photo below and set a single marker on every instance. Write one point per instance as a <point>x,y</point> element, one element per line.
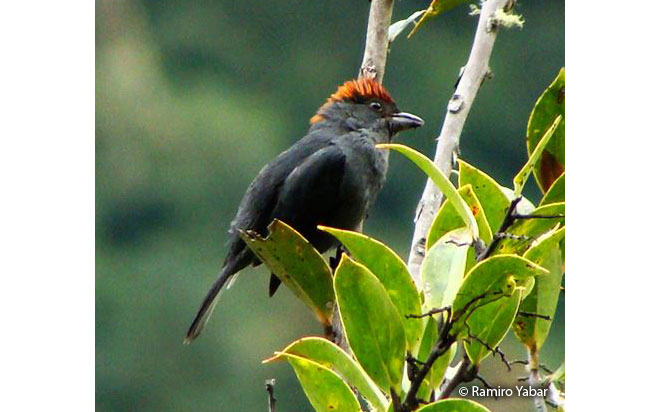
<point>330,177</point>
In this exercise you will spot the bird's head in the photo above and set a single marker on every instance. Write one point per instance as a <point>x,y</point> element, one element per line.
<point>364,104</point>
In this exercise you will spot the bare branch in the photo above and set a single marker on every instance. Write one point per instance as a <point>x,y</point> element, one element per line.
<point>431,312</point>
<point>485,383</point>
<point>269,386</point>
<point>507,222</point>
<point>475,71</point>
<point>377,43</point>
<point>534,315</point>
<point>554,398</point>
<point>542,366</point>
<point>495,351</point>
<point>396,401</point>
<point>464,373</point>
<point>534,216</point>
<point>534,380</point>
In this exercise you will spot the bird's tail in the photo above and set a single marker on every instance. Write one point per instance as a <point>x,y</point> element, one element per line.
<point>208,304</point>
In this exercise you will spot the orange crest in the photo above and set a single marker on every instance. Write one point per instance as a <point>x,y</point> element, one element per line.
<point>355,91</point>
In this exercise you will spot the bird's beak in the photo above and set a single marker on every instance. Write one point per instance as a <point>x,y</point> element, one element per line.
<point>403,121</point>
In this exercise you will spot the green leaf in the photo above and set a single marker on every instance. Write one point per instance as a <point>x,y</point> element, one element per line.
<point>427,342</point>
<point>371,322</point>
<point>489,281</point>
<point>551,103</point>
<point>443,268</point>
<point>441,181</point>
<point>490,323</point>
<point>324,388</point>
<point>535,157</point>
<point>448,219</point>
<point>524,232</point>
<point>397,27</point>
<point>557,192</point>
<point>301,268</point>
<point>392,273</point>
<point>454,405</point>
<point>436,8</point>
<point>331,356</point>
<point>492,198</point>
<point>533,331</point>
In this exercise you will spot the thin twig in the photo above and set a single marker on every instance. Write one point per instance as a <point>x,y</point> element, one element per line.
<point>507,222</point>
<point>534,315</point>
<point>431,312</point>
<point>485,383</point>
<point>396,401</point>
<point>533,216</point>
<point>442,345</point>
<point>463,373</point>
<point>500,236</point>
<point>542,366</point>
<point>495,351</point>
<point>269,386</point>
<point>445,340</point>
<point>475,71</point>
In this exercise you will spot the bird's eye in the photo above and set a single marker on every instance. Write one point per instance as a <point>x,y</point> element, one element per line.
<point>375,106</point>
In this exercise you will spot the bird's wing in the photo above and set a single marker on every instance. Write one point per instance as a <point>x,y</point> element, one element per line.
<point>311,193</point>
<point>261,198</point>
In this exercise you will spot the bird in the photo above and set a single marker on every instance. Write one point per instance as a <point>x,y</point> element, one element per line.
<point>329,177</point>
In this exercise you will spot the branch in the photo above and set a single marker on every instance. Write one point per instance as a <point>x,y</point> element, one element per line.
<point>431,312</point>
<point>269,386</point>
<point>475,71</point>
<point>534,380</point>
<point>554,397</point>
<point>533,315</point>
<point>461,375</point>
<point>507,222</point>
<point>377,43</point>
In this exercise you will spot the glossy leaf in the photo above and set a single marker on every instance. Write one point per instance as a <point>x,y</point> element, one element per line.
<point>490,323</point>
<point>556,193</point>
<point>524,232</point>
<point>436,8</point>
<point>326,391</point>
<point>533,331</point>
<point>454,405</point>
<point>392,272</point>
<point>448,219</point>
<point>371,322</point>
<point>441,181</point>
<point>551,103</point>
<point>443,268</point>
<point>489,281</point>
<point>535,157</point>
<point>331,356</point>
<point>301,268</point>
<point>492,198</point>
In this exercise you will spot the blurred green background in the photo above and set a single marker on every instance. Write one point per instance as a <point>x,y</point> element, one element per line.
<point>192,99</point>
